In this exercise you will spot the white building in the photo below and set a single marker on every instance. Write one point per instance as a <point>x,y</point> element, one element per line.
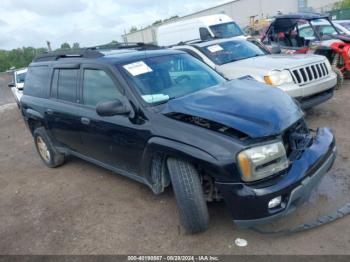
<point>240,11</point>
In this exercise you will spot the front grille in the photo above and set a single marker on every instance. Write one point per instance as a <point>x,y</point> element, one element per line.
<point>307,74</point>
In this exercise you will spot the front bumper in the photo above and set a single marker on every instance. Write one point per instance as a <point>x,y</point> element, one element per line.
<point>248,203</point>
<point>313,93</point>
<point>314,100</point>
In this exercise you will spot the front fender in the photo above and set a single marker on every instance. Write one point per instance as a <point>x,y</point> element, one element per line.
<point>170,148</point>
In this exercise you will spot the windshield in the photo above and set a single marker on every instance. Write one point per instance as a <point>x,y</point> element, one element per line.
<point>226,30</point>
<point>230,51</point>
<point>161,78</point>
<point>20,78</point>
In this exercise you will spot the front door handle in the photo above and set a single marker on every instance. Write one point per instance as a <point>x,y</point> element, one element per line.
<point>85,121</point>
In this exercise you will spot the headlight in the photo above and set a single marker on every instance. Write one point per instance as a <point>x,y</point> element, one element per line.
<point>277,78</point>
<point>262,161</point>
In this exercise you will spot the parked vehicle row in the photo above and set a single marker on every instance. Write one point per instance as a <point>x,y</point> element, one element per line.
<point>311,33</point>
<point>163,117</point>
<point>308,78</point>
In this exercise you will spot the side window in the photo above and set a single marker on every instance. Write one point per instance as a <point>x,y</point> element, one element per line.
<point>37,80</point>
<point>98,87</point>
<point>67,84</point>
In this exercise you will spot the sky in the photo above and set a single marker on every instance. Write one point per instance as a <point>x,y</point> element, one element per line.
<point>88,22</point>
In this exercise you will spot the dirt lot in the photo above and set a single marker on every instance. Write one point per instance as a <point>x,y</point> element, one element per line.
<point>80,208</point>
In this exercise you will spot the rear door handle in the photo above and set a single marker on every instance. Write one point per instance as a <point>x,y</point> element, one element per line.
<point>49,111</point>
<point>85,121</point>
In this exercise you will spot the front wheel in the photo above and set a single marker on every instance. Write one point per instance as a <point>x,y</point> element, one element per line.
<point>189,195</point>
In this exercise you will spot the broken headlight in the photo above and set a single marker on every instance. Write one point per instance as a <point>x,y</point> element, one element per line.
<point>262,161</point>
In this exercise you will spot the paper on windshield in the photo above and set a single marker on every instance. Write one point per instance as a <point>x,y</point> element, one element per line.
<point>155,98</point>
<point>215,48</point>
<point>138,68</point>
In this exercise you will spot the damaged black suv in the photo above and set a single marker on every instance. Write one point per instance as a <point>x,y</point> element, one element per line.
<point>163,118</point>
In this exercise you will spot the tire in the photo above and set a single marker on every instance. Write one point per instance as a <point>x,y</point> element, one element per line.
<point>189,195</point>
<point>48,154</point>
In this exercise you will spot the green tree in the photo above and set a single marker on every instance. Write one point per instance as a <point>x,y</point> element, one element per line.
<point>76,45</point>
<point>343,4</point>
<point>65,46</point>
<point>158,22</point>
<point>20,57</point>
<point>133,29</point>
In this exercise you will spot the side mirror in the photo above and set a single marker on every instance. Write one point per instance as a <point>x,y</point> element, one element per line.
<point>113,108</point>
<point>12,84</point>
<point>204,34</point>
<point>276,50</point>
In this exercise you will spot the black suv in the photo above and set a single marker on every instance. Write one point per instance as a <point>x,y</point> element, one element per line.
<point>162,117</point>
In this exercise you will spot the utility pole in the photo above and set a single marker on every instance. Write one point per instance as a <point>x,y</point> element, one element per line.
<point>48,46</point>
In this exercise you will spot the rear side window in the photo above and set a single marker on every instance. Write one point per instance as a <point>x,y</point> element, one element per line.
<point>37,81</point>
<point>66,84</point>
<point>98,87</point>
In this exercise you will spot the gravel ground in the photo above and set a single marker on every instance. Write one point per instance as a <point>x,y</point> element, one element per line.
<point>80,208</point>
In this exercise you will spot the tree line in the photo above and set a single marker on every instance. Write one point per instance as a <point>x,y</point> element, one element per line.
<point>21,57</point>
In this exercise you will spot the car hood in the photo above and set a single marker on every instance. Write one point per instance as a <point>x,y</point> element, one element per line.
<point>271,62</point>
<point>248,106</point>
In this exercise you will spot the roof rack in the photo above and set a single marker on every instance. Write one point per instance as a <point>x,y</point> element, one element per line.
<point>138,46</point>
<point>55,55</point>
<point>92,52</point>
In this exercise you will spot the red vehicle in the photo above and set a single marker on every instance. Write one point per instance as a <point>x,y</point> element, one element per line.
<point>311,33</point>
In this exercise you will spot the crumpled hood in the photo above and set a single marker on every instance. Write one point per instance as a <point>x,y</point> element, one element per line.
<point>245,105</point>
<point>271,62</point>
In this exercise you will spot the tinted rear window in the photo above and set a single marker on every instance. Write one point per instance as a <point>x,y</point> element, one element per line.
<point>37,81</point>
<point>67,84</point>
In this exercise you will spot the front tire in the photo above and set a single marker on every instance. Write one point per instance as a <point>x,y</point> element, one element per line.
<point>45,149</point>
<point>189,195</point>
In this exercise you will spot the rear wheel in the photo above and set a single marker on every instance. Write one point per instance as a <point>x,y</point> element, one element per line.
<point>46,151</point>
<point>189,196</point>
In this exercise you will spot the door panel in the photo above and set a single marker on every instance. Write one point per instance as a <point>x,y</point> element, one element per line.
<point>62,110</point>
<point>115,141</point>
<point>64,124</point>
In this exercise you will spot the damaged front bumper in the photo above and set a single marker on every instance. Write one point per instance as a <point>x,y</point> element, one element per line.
<point>248,203</point>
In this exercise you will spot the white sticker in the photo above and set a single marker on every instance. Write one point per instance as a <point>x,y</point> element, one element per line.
<point>155,98</point>
<point>138,68</point>
<point>215,48</point>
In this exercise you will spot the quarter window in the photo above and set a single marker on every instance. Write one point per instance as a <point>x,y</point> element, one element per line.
<point>98,87</point>
<point>37,80</point>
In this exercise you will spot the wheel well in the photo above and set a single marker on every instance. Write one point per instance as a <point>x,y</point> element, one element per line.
<point>33,124</point>
<point>161,177</point>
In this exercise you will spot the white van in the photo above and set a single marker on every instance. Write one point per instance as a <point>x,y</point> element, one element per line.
<point>201,28</point>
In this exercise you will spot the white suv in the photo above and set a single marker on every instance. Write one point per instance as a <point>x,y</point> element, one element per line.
<point>18,84</point>
<point>308,78</point>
